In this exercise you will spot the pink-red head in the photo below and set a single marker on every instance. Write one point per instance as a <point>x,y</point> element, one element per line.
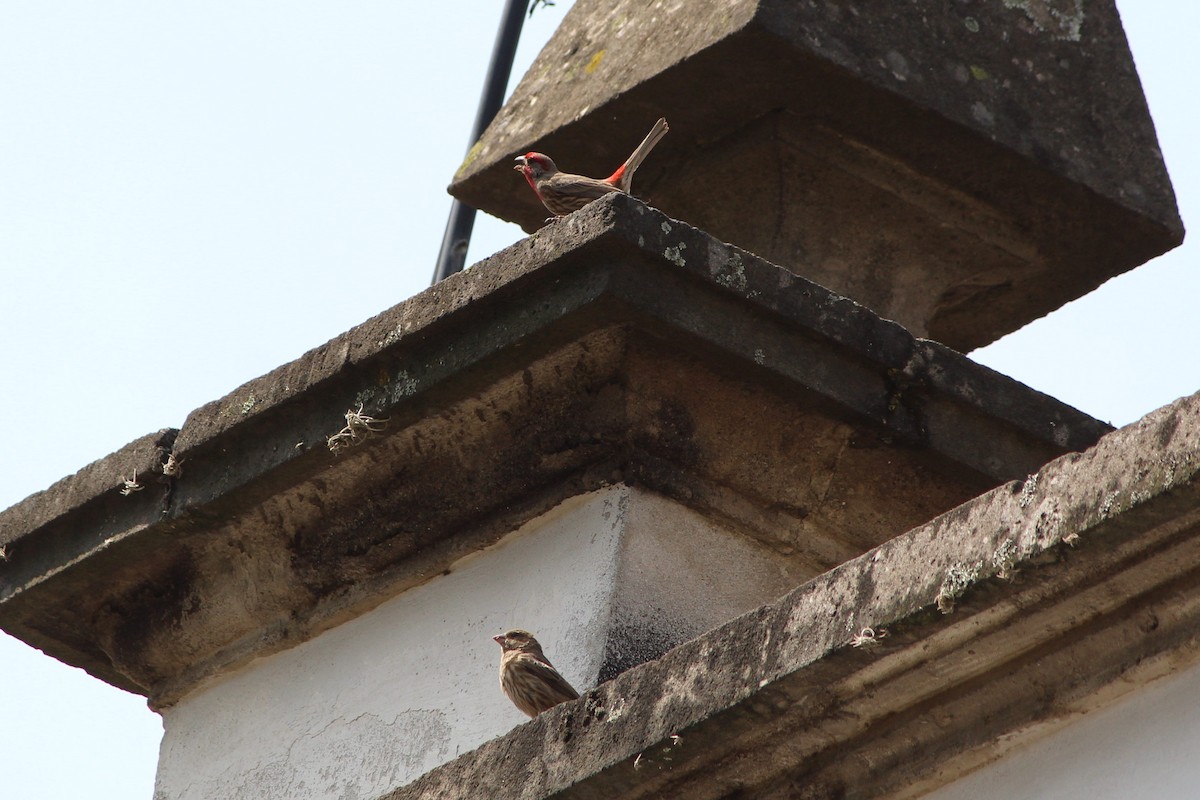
<point>535,166</point>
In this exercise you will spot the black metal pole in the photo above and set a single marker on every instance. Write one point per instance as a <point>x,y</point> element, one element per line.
<point>453,254</point>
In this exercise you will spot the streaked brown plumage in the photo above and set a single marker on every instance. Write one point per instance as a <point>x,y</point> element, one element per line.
<point>563,192</point>
<point>527,676</point>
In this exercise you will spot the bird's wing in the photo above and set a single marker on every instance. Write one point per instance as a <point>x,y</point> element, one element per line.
<point>544,670</point>
<point>565,183</point>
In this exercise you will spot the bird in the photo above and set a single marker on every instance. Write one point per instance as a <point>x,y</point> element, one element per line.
<point>527,676</point>
<point>563,192</point>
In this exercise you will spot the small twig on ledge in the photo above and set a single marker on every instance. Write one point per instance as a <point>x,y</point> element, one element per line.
<point>868,637</point>
<point>359,428</point>
<point>128,486</point>
<point>172,467</point>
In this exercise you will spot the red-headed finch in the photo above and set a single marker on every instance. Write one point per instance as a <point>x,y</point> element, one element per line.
<point>562,192</point>
<point>527,676</point>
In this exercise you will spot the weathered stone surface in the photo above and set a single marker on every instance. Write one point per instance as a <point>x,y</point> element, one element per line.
<point>897,671</point>
<point>82,516</point>
<point>962,168</point>
<point>373,704</point>
<point>619,345</point>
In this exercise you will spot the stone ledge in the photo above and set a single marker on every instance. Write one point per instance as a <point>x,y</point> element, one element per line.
<point>617,345</point>
<point>992,161</point>
<point>1039,600</point>
<point>79,517</point>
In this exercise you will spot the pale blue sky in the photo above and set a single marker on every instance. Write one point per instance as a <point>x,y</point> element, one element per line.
<point>193,194</point>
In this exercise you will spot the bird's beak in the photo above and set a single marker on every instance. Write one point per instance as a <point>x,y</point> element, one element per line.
<point>520,163</point>
<point>498,640</point>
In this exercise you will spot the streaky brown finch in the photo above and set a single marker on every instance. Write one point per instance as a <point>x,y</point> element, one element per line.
<point>563,192</point>
<point>527,676</point>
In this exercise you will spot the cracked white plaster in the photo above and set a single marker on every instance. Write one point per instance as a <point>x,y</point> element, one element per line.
<point>371,704</point>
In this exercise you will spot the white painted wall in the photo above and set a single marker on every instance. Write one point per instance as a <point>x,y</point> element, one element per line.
<point>1145,747</point>
<point>372,704</point>
<point>681,573</point>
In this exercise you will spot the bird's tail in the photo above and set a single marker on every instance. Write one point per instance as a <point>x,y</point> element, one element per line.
<point>623,177</point>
